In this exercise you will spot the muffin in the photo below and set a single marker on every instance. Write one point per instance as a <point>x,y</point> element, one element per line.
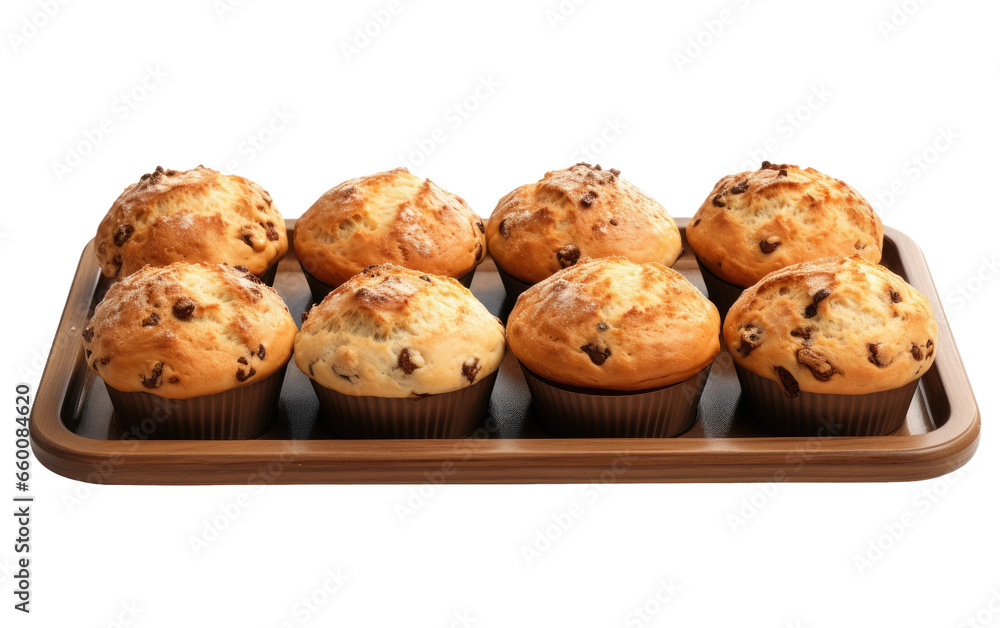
<point>191,350</point>
<point>754,223</point>
<point>390,217</point>
<point>397,353</point>
<point>614,348</point>
<point>582,211</point>
<point>831,347</point>
<point>196,215</point>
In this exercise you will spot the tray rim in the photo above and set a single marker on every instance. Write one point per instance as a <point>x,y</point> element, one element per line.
<point>518,461</point>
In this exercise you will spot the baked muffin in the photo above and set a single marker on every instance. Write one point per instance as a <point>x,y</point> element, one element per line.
<point>196,215</point>
<point>754,223</point>
<point>394,352</point>
<point>211,337</point>
<point>582,211</point>
<point>390,217</point>
<point>608,326</point>
<point>839,338</point>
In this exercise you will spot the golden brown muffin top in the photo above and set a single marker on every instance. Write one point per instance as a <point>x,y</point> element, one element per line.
<point>196,215</point>
<point>836,325</point>
<point>581,211</point>
<point>609,323</point>
<point>394,332</point>
<point>754,223</point>
<point>390,217</point>
<point>187,330</point>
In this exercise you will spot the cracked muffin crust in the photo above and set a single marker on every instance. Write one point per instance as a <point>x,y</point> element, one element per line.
<point>394,332</point>
<point>754,223</point>
<point>837,325</point>
<point>196,215</point>
<point>609,323</point>
<point>390,217</point>
<point>581,211</point>
<point>187,330</point>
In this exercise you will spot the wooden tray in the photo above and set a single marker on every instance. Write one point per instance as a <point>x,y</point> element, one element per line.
<point>73,432</point>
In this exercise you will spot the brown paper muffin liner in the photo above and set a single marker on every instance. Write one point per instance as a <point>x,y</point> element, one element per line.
<point>822,414</point>
<point>596,413</point>
<point>236,414</point>
<point>446,415</point>
<point>267,277</point>
<point>720,292</point>
<point>319,289</point>
<point>512,285</point>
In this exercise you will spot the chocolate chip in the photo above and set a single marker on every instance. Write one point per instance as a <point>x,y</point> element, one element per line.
<point>812,308</point>
<point>614,223</point>
<point>770,245</point>
<point>272,232</point>
<point>696,222</point>
<point>817,363</point>
<point>917,351</point>
<point>782,173</point>
<point>895,296</point>
<point>504,229</point>
<point>261,352</point>
<point>717,201</point>
<point>155,378</point>
<point>247,239</point>
<point>804,334</point>
<point>588,198</point>
<point>602,327</point>
<point>597,355</point>
<point>242,269</point>
<point>471,368</point>
<point>568,255</point>
<point>877,356</point>
<point>242,360</point>
<point>88,334</point>
<point>482,228</point>
<point>750,338</point>
<point>740,187</point>
<point>930,344</point>
<point>123,233</point>
<point>151,321</point>
<point>615,171</point>
<point>184,308</point>
<point>408,367</point>
<point>425,278</point>
<point>764,165</point>
<point>788,383</point>
<point>170,173</point>
<point>154,176</point>
<point>479,251</point>
<point>243,376</point>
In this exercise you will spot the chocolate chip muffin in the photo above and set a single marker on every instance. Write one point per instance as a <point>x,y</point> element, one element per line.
<point>754,223</point>
<point>211,335</point>
<point>394,352</point>
<point>605,327</point>
<point>390,217</point>
<point>196,215</point>
<point>581,211</point>
<point>824,336</point>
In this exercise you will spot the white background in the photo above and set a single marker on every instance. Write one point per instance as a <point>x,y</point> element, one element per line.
<point>215,75</point>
